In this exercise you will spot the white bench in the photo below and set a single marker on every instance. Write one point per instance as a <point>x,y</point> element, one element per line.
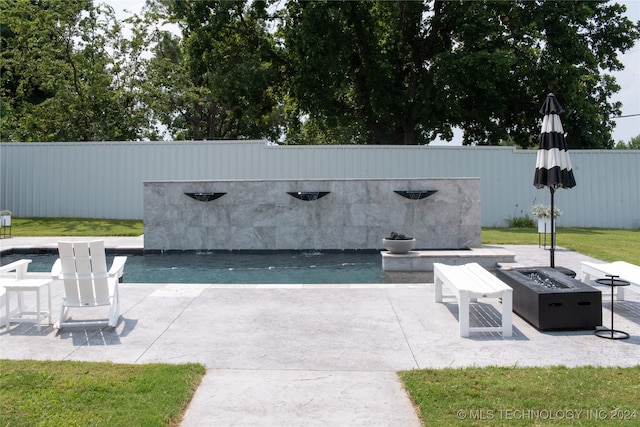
<point>627,272</point>
<point>469,282</point>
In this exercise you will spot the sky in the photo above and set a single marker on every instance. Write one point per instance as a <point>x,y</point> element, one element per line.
<point>629,79</point>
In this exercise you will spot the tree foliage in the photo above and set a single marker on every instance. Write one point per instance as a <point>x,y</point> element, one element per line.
<point>67,73</point>
<point>231,55</point>
<point>508,55</point>
<point>632,144</point>
<point>404,72</point>
<point>364,66</point>
<point>300,72</point>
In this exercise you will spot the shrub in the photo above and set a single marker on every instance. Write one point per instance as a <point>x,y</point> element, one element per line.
<point>521,222</point>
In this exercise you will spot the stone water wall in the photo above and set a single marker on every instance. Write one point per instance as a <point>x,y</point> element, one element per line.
<point>355,214</point>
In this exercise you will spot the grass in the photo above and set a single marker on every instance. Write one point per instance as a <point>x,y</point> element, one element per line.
<point>45,227</point>
<point>516,396</point>
<point>64,393</point>
<point>605,244</point>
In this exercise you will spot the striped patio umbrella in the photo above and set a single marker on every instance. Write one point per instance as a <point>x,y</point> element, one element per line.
<point>553,166</point>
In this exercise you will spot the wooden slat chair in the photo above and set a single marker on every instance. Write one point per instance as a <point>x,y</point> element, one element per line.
<point>82,267</point>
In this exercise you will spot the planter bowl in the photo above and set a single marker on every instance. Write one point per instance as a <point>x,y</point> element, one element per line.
<point>399,246</point>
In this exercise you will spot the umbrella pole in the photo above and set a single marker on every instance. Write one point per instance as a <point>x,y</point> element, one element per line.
<point>553,240</point>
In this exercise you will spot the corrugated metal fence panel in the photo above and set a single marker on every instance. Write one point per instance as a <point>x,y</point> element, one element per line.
<point>104,180</point>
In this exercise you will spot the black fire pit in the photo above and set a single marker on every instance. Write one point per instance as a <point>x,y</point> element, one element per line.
<point>551,300</point>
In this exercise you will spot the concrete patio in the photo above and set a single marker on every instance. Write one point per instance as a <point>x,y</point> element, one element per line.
<point>313,355</point>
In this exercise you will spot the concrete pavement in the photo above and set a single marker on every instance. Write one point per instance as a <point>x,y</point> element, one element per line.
<point>313,355</point>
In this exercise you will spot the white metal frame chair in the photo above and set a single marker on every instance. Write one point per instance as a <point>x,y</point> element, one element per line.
<point>82,267</point>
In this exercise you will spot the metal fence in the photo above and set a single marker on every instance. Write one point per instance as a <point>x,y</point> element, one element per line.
<point>105,179</point>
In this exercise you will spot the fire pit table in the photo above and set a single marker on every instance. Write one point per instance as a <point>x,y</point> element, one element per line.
<point>550,300</point>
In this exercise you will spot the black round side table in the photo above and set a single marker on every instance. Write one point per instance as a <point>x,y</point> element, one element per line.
<point>612,334</point>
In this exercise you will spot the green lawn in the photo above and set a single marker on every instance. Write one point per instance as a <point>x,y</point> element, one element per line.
<point>34,227</point>
<point>513,396</point>
<point>64,393</point>
<point>603,243</point>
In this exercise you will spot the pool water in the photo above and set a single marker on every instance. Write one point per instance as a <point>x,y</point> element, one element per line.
<point>236,268</point>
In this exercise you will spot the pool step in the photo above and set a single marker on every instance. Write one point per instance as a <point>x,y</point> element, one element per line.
<point>414,261</point>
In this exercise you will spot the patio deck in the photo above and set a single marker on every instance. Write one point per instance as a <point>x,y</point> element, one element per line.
<point>313,355</point>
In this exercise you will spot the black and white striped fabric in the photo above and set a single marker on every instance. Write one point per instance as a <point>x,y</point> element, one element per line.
<point>553,166</point>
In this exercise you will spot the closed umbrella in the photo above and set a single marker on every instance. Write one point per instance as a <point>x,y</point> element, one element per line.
<point>553,166</point>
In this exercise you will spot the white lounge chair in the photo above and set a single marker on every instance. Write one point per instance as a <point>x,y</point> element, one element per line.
<point>82,267</point>
<point>627,272</point>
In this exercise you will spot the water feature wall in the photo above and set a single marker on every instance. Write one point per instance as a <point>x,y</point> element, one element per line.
<point>310,214</point>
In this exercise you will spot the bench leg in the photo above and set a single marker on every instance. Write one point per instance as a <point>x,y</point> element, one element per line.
<point>50,308</point>
<point>8,318</point>
<point>38,312</point>
<point>586,278</point>
<point>463,307</point>
<point>507,313</point>
<point>438,285</point>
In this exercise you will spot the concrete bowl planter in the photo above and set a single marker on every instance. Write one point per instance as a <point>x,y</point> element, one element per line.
<point>397,246</point>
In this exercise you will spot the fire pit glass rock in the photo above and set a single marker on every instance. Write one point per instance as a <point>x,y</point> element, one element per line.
<point>551,300</point>
<point>545,281</point>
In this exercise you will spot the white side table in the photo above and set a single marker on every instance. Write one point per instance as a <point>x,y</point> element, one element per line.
<point>28,285</point>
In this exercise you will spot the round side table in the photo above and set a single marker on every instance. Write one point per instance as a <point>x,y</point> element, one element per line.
<point>612,334</point>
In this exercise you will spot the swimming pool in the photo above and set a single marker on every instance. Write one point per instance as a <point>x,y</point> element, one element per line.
<point>290,267</point>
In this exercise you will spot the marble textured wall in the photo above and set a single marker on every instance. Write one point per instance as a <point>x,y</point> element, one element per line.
<point>356,214</point>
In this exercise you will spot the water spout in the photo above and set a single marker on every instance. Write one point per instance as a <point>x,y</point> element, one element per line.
<point>205,197</point>
<point>308,195</point>
<point>415,194</point>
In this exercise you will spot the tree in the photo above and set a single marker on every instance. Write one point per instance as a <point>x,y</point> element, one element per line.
<point>68,74</point>
<point>404,72</point>
<point>633,144</point>
<point>364,66</point>
<point>483,66</point>
<point>233,64</point>
<point>375,72</point>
